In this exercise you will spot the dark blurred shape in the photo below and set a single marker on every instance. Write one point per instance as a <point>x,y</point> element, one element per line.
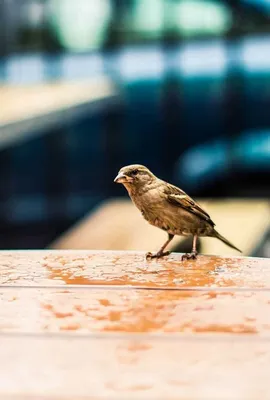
<point>203,167</point>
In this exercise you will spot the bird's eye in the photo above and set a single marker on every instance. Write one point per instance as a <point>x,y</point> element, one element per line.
<point>134,172</point>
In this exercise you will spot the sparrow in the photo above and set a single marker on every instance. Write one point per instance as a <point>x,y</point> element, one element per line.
<point>167,207</point>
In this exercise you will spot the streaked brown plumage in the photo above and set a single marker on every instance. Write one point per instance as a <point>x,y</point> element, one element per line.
<point>167,207</point>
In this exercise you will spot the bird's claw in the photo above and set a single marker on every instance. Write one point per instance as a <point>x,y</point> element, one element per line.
<point>189,256</point>
<point>159,254</point>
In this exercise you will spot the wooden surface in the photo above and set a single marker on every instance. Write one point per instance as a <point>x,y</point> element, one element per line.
<point>30,109</point>
<point>96,325</point>
<point>117,224</point>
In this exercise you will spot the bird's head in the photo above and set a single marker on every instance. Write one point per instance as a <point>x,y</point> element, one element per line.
<point>134,176</point>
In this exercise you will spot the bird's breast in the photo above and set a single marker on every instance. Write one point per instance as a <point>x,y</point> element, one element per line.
<point>149,205</point>
<point>152,209</point>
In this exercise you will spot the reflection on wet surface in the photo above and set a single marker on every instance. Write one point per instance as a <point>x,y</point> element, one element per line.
<point>131,310</point>
<point>133,328</point>
<point>130,270</point>
<point>116,268</point>
<point>136,311</point>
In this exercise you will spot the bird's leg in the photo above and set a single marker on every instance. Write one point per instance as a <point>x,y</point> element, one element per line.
<point>193,254</point>
<point>161,252</point>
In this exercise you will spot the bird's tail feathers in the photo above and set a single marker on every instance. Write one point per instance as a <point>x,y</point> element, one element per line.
<point>224,240</point>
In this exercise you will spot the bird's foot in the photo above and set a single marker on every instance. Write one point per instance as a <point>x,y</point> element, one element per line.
<point>159,254</point>
<point>189,256</point>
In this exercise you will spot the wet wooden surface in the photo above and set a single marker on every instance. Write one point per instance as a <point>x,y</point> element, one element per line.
<point>96,325</point>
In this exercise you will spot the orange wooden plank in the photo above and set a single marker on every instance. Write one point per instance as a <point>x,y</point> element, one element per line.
<point>95,325</point>
<point>134,311</point>
<point>130,268</point>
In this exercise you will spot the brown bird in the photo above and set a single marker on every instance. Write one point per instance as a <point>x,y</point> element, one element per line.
<point>167,207</point>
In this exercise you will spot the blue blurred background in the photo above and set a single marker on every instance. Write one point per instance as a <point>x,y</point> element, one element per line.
<point>191,101</point>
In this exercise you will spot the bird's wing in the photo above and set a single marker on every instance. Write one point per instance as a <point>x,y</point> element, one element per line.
<point>179,198</point>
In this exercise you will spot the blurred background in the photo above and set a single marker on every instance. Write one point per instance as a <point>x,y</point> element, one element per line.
<point>88,86</point>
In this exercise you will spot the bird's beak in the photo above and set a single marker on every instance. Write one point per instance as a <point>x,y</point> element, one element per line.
<point>120,178</point>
